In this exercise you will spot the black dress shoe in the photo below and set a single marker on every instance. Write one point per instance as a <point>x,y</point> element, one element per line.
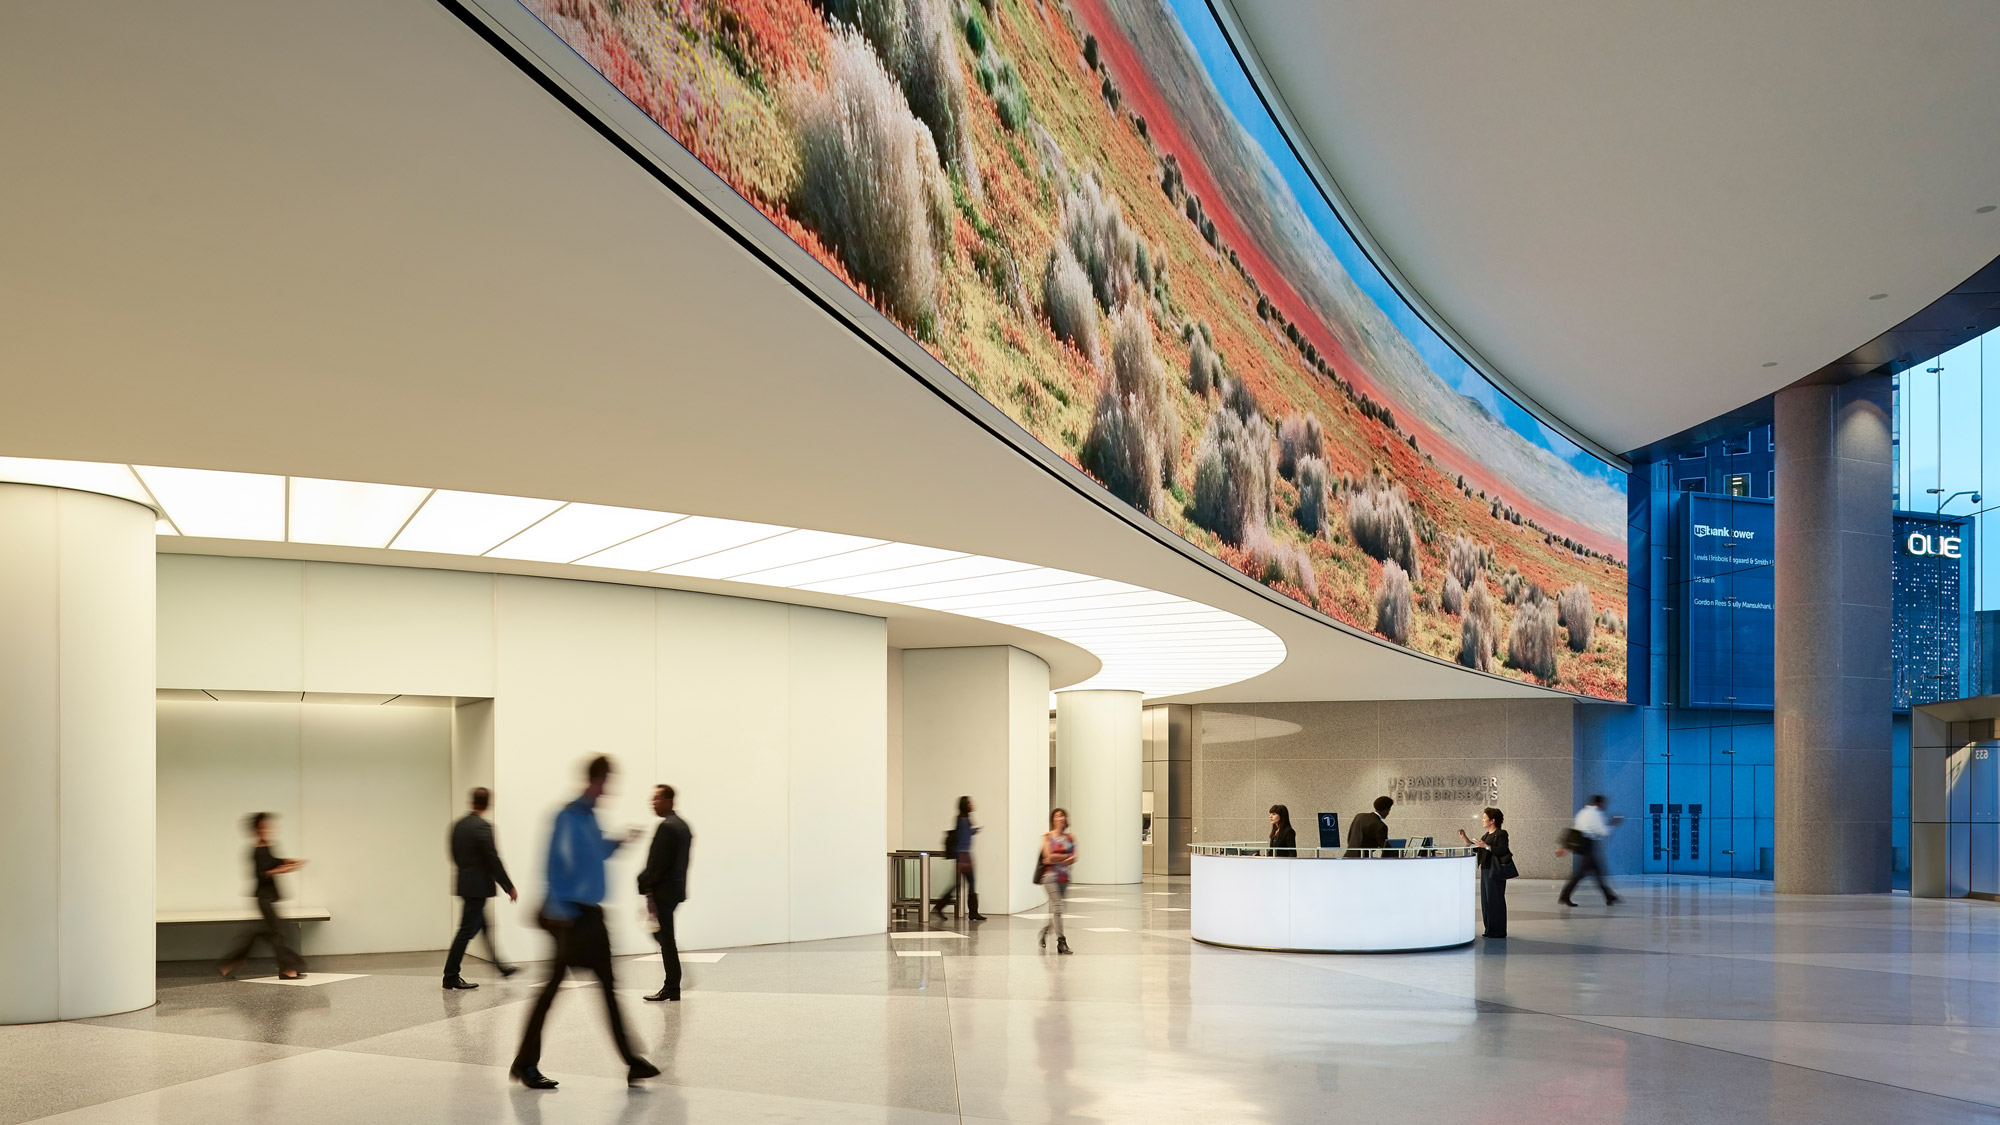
<point>1564,902</point>
<point>508,971</point>
<point>640,1071</point>
<point>458,983</point>
<point>663,994</point>
<point>531,1077</point>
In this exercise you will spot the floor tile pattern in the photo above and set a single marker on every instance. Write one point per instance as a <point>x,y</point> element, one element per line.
<point>1694,1000</point>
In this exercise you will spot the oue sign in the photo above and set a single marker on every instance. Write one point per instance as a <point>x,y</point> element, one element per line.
<point>1943,546</point>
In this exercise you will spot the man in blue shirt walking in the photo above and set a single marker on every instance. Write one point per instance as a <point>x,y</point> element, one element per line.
<point>574,913</point>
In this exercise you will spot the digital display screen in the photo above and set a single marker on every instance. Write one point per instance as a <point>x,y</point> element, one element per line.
<point>1085,212</point>
<point>1727,588</point>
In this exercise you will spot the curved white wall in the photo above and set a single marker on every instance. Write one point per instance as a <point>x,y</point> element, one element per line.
<point>76,754</point>
<point>770,719</point>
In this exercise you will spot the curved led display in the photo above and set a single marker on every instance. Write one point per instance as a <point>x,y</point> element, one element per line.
<point>1084,211</point>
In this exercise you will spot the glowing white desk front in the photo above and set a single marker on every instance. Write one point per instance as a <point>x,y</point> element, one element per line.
<point>1308,904</point>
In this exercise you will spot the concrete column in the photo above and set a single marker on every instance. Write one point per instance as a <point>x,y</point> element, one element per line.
<point>976,723</point>
<point>1098,753</point>
<point>1832,609</point>
<point>77,793</point>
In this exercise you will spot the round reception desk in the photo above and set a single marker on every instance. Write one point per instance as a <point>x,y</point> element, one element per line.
<point>1320,901</point>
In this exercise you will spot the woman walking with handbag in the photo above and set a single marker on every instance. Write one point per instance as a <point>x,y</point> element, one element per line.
<point>1496,866</point>
<point>1058,853</point>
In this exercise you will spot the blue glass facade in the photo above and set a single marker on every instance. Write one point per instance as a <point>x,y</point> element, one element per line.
<point>1703,648</point>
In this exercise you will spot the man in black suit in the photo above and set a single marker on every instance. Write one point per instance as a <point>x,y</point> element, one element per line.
<point>664,883</point>
<point>1370,830</point>
<point>479,869</point>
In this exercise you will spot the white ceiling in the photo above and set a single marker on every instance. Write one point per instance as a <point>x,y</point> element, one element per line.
<point>1630,208</point>
<point>351,241</point>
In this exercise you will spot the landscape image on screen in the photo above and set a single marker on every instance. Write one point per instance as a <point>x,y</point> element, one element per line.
<point>1084,211</point>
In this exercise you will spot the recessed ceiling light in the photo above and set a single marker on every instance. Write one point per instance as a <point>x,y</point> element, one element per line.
<point>1876,296</point>
<point>1982,210</point>
<point>1773,363</point>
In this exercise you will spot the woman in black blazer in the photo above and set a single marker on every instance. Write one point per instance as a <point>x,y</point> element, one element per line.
<point>1496,864</point>
<point>1284,841</point>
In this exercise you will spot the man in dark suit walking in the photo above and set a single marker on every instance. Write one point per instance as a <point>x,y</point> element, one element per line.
<point>479,870</point>
<point>1370,831</point>
<point>664,883</point>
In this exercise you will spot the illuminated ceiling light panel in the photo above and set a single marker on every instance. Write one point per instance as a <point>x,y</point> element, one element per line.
<point>469,523</point>
<point>1069,596</point>
<point>218,505</point>
<point>766,554</point>
<point>1145,640</point>
<point>577,530</point>
<point>348,513</point>
<point>939,579</point>
<point>1000,599</point>
<point>85,476</point>
<point>680,541</point>
<point>871,560</point>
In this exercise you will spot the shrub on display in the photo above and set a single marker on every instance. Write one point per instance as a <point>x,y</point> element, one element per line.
<point>1204,366</point>
<point>1531,644</point>
<point>913,40</point>
<point>1067,302</point>
<point>1311,512</point>
<point>1275,562</point>
<point>1232,477</point>
<point>1574,614</point>
<point>1464,559</point>
<point>1452,597</point>
<point>1094,226</point>
<point>1299,436</point>
<point>1392,604</point>
<point>1138,376</point>
<point>1236,395</point>
<point>1378,516</point>
<point>1122,451</point>
<point>871,183</point>
<point>1475,643</point>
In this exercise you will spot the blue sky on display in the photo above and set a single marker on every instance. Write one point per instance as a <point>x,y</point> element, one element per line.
<point>1238,94</point>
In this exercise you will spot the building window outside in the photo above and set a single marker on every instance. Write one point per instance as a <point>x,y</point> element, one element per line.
<point>1694,484</point>
<point>1739,484</point>
<point>1695,454</point>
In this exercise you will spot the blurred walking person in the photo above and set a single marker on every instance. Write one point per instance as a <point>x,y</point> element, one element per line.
<point>265,867</point>
<point>664,883</point>
<point>1058,854</point>
<point>574,913</point>
<point>479,872</point>
<point>959,840</point>
<point>1585,839</point>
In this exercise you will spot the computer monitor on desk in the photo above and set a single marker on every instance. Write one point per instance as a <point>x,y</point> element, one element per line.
<point>1394,846</point>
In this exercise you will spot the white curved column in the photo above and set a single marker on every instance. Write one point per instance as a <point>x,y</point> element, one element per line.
<point>77,662</point>
<point>1098,754</point>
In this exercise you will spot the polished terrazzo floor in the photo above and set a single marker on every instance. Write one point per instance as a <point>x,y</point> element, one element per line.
<point>1693,1001</point>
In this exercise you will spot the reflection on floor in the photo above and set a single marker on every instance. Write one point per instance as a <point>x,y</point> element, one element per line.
<point>1694,1001</point>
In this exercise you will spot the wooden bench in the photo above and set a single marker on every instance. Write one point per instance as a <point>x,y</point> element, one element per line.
<point>286,912</point>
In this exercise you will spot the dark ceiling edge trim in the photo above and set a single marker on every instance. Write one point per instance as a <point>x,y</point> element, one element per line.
<point>467,13</point>
<point>1240,44</point>
<point>1760,411</point>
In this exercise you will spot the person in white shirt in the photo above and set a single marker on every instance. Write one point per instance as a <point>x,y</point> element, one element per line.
<point>1587,834</point>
